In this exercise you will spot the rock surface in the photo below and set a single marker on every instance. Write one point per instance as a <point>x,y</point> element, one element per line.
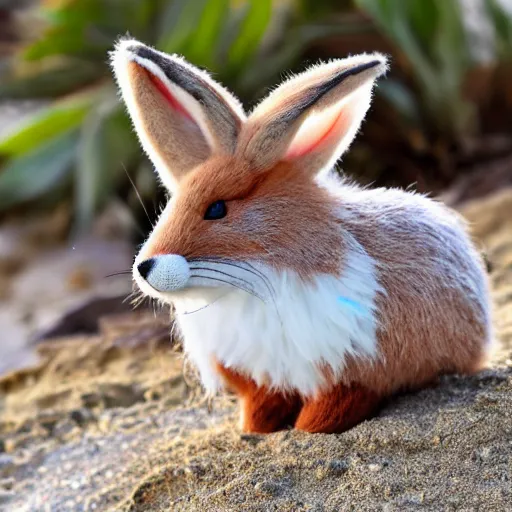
<point>112,422</point>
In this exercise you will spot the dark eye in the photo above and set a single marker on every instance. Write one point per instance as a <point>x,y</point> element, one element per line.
<point>216,211</point>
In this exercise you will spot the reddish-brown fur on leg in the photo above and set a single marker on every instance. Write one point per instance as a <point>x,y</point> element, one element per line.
<point>337,410</point>
<point>263,411</point>
<point>266,412</point>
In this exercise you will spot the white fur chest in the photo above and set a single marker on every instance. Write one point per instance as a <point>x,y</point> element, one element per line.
<point>286,340</point>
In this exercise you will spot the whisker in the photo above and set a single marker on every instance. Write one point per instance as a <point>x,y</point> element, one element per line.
<point>250,292</point>
<point>239,265</point>
<point>221,272</point>
<point>207,305</point>
<point>251,270</point>
<point>268,283</point>
<point>263,276</point>
<point>270,288</point>
<point>137,298</point>
<point>173,328</point>
<point>138,196</point>
<point>258,273</point>
<point>128,297</point>
<point>120,273</point>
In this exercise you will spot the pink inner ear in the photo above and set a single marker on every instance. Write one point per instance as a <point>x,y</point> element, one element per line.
<point>164,90</point>
<point>318,131</point>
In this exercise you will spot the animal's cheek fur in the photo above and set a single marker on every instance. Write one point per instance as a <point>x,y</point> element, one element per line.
<point>281,232</point>
<point>296,235</point>
<point>191,236</point>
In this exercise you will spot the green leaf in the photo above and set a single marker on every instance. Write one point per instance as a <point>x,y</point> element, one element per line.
<point>502,22</point>
<point>268,68</point>
<point>251,33</point>
<point>393,17</point>
<point>69,32</point>
<point>185,15</point>
<point>31,175</point>
<point>433,39</point>
<point>51,83</point>
<point>45,125</point>
<point>202,44</point>
<point>57,42</point>
<point>107,144</point>
<point>424,17</point>
<point>75,13</point>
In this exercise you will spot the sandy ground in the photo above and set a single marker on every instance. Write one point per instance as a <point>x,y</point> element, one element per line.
<point>45,277</point>
<point>110,423</point>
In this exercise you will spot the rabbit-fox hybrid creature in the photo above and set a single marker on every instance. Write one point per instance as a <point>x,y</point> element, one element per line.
<point>311,298</point>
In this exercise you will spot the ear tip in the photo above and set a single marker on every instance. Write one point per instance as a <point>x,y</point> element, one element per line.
<point>123,48</point>
<point>381,63</point>
<point>374,65</point>
<point>128,49</point>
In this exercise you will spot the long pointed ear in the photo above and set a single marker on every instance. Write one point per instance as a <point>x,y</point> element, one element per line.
<point>312,118</point>
<point>179,113</point>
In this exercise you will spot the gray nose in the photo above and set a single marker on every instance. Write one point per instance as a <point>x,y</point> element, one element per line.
<point>166,272</point>
<point>145,267</point>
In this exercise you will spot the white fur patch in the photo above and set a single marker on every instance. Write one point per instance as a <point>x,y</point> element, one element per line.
<point>284,342</point>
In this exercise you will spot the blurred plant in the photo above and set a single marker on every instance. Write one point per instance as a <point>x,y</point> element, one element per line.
<point>439,90</point>
<point>502,22</point>
<point>431,35</point>
<point>82,138</point>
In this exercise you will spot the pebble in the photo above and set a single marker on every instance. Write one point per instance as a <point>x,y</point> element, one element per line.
<point>6,496</point>
<point>332,468</point>
<point>75,485</point>
<point>91,400</point>
<point>6,462</point>
<point>120,395</point>
<point>267,487</point>
<point>7,484</point>
<point>338,467</point>
<point>485,453</point>
<point>272,487</point>
<point>48,420</point>
<point>64,428</point>
<point>252,439</point>
<point>82,416</point>
<point>9,445</point>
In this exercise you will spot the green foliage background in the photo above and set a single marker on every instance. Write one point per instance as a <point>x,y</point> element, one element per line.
<point>81,144</point>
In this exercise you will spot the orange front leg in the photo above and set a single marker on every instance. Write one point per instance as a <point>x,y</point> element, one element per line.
<point>337,409</point>
<point>263,410</point>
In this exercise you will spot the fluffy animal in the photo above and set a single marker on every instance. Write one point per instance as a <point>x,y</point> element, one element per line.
<point>311,298</point>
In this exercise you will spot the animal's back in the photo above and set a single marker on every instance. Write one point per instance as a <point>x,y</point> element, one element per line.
<point>435,317</point>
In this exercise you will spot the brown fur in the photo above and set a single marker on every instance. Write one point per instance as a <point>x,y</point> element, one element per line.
<point>263,410</point>
<point>334,410</point>
<point>454,337</point>
<point>269,133</point>
<point>273,217</point>
<point>338,409</point>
